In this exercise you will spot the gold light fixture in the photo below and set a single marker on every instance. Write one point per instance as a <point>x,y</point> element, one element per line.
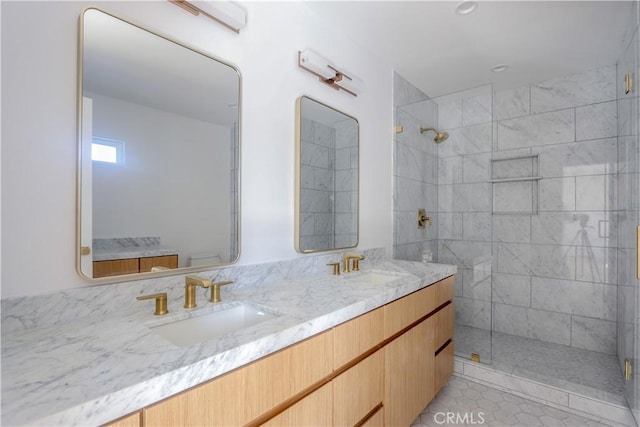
<point>328,73</point>
<point>226,13</point>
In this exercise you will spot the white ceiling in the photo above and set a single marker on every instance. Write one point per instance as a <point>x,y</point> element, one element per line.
<point>125,62</point>
<point>442,52</point>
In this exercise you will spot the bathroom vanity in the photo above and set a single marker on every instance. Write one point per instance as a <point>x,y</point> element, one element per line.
<point>370,348</point>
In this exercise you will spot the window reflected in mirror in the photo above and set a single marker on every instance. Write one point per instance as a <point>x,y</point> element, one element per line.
<point>327,164</point>
<point>159,152</point>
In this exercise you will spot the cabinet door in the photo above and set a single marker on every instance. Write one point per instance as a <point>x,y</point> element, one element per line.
<point>169,261</point>
<point>358,391</point>
<point>115,267</point>
<point>275,379</point>
<point>409,374</point>
<point>313,410</point>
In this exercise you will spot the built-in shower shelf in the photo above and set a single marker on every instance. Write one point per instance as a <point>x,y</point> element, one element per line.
<point>525,178</point>
<point>514,183</point>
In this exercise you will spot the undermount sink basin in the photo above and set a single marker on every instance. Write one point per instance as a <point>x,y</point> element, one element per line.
<point>194,330</point>
<point>374,277</point>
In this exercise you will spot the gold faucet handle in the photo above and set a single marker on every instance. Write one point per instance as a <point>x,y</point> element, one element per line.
<point>356,263</point>
<point>215,290</point>
<point>336,268</point>
<point>161,302</point>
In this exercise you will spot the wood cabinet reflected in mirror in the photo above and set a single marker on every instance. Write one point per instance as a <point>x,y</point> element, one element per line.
<point>159,151</point>
<point>327,165</point>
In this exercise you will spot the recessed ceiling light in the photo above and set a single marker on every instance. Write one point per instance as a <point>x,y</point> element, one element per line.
<point>466,7</point>
<point>500,68</point>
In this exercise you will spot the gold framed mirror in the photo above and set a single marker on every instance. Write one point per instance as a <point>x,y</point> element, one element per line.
<point>327,174</point>
<point>158,153</point>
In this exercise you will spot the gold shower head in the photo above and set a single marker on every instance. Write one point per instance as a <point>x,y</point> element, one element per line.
<point>440,136</point>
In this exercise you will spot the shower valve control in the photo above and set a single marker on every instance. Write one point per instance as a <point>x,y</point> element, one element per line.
<point>423,218</point>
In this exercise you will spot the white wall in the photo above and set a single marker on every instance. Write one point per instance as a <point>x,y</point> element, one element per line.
<point>174,183</point>
<point>39,126</point>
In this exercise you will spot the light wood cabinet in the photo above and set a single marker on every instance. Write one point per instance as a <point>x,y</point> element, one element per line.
<point>381,368</point>
<point>117,267</point>
<point>133,420</point>
<point>412,375</point>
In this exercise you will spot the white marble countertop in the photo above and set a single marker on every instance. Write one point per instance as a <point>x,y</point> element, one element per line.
<point>128,253</point>
<point>96,368</point>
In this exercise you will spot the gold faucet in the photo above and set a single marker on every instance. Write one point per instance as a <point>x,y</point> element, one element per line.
<point>190,283</point>
<point>346,258</point>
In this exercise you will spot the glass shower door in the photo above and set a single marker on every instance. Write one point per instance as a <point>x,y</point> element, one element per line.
<point>465,213</point>
<point>629,226</point>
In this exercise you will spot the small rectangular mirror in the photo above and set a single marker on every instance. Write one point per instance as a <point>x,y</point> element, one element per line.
<point>327,164</point>
<point>158,150</point>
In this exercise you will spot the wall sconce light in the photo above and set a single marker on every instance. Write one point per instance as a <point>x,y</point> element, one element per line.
<point>328,73</point>
<point>226,13</point>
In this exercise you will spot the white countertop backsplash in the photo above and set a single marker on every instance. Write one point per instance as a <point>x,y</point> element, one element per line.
<point>86,356</point>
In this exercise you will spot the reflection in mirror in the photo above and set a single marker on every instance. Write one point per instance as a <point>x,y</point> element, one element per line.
<point>159,148</point>
<point>326,178</point>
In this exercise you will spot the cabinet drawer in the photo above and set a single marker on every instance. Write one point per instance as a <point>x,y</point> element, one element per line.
<point>444,321</point>
<point>403,312</point>
<point>445,290</point>
<point>353,338</point>
<point>359,390</point>
<point>115,267</point>
<point>274,379</point>
<point>444,366</point>
<point>313,410</point>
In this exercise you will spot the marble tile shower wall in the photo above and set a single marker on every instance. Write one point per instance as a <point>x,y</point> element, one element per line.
<point>317,186</point>
<point>554,254</point>
<point>415,172</point>
<point>346,184</point>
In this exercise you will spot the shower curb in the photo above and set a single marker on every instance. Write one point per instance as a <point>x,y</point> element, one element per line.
<point>588,407</point>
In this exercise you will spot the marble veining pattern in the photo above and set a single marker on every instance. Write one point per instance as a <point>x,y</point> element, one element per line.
<point>575,90</point>
<point>119,365</point>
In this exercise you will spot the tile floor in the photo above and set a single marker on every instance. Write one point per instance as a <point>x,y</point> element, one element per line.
<point>473,404</point>
<point>593,374</point>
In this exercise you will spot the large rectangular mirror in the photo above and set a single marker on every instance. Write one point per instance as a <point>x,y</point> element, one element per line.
<point>326,178</point>
<point>159,152</point>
